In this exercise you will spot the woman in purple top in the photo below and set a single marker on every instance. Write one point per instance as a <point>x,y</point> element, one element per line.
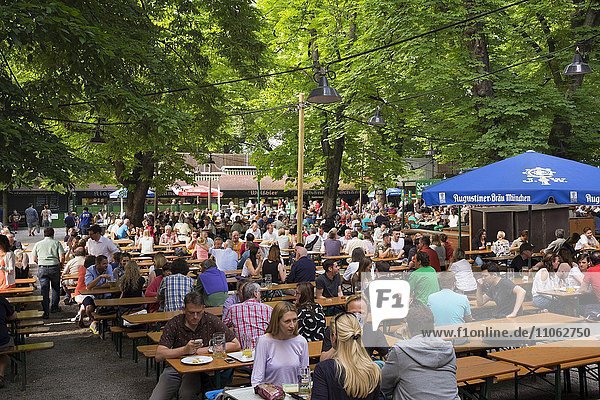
<point>281,350</point>
<point>332,246</point>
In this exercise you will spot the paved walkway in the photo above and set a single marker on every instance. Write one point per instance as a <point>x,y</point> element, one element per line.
<point>83,366</point>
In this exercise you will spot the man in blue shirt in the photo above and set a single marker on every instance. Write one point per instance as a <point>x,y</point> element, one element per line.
<point>32,219</point>
<point>447,306</point>
<point>225,258</point>
<point>123,231</point>
<point>85,220</point>
<point>97,275</point>
<point>303,269</point>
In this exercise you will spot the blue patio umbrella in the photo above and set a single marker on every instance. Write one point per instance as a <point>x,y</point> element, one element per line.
<point>529,178</point>
<point>393,192</point>
<point>122,193</point>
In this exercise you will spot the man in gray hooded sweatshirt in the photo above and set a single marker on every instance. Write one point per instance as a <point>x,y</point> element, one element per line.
<point>421,367</point>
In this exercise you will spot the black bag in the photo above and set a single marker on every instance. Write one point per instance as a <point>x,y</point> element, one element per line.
<point>309,246</point>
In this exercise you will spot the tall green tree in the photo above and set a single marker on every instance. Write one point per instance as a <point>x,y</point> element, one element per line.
<point>143,68</point>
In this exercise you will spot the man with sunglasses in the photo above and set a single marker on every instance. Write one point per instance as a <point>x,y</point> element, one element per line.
<point>372,340</point>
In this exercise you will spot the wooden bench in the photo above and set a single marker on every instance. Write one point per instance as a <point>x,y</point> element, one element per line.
<point>102,320</point>
<point>149,352</point>
<point>30,322</point>
<point>18,354</point>
<point>22,332</point>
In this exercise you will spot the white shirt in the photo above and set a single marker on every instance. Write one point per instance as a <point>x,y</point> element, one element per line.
<point>270,237</point>
<point>585,241</point>
<point>463,272</point>
<point>257,233</point>
<point>284,243</point>
<point>398,247</point>
<point>354,243</point>
<point>351,270</point>
<point>147,243</point>
<point>104,246</point>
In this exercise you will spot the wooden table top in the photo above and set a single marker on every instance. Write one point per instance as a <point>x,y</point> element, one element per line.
<point>25,281</point>
<point>474,368</point>
<point>340,257</point>
<point>122,241</point>
<point>477,252</point>
<point>540,356</point>
<point>126,301</point>
<point>562,294</point>
<point>399,268</point>
<point>24,299</point>
<point>69,276</point>
<point>164,246</point>
<point>137,253</point>
<point>16,291</point>
<point>101,290</point>
<point>314,350</point>
<point>164,316</point>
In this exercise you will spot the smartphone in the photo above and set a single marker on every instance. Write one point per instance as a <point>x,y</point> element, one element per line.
<point>229,360</point>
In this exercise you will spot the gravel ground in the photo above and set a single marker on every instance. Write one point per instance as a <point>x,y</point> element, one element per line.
<point>82,365</point>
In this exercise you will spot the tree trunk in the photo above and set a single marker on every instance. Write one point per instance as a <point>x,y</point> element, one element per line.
<point>333,165</point>
<point>5,210</point>
<point>137,181</point>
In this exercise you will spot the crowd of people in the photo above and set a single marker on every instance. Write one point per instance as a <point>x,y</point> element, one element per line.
<point>356,360</point>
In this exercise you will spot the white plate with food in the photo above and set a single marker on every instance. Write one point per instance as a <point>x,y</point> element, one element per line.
<point>196,360</point>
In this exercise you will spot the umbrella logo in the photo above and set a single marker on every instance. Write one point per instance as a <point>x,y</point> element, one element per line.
<point>542,175</point>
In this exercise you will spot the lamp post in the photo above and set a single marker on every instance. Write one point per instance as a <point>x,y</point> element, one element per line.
<point>322,94</point>
<point>299,206</point>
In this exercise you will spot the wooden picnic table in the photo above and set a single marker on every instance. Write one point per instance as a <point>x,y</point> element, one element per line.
<point>69,276</point>
<point>539,358</point>
<point>470,371</point>
<point>25,281</point>
<point>16,291</point>
<point>119,242</point>
<point>125,301</point>
<point>101,290</point>
<point>219,364</point>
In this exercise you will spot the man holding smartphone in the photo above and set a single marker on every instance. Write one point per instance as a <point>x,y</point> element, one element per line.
<point>184,335</point>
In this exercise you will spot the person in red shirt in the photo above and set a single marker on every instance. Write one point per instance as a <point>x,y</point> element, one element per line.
<point>152,289</point>
<point>82,299</point>
<point>591,283</point>
<point>423,246</point>
<point>447,246</point>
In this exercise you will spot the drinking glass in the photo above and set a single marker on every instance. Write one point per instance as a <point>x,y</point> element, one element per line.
<point>218,345</point>
<point>268,280</point>
<point>247,346</point>
<point>304,380</point>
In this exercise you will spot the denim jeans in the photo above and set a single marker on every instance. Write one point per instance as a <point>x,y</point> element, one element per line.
<point>49,276</point>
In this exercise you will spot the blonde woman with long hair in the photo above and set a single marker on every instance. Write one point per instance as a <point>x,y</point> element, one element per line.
<point>132,282</point>
<point>350,374</point>
<point>159,262</point>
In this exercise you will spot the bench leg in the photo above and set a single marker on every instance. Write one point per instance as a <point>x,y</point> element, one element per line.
<point>557,383</point>
<point>24,373</point>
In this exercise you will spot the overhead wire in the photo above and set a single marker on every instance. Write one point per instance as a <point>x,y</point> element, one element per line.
<point>341,59</point>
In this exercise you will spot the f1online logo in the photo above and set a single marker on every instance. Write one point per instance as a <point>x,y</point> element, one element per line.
<point>388,299</point>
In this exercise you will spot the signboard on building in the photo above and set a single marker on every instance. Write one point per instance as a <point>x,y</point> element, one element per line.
<point>422,184</point>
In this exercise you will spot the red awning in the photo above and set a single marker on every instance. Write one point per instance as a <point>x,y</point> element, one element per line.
<point>196,191</point>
